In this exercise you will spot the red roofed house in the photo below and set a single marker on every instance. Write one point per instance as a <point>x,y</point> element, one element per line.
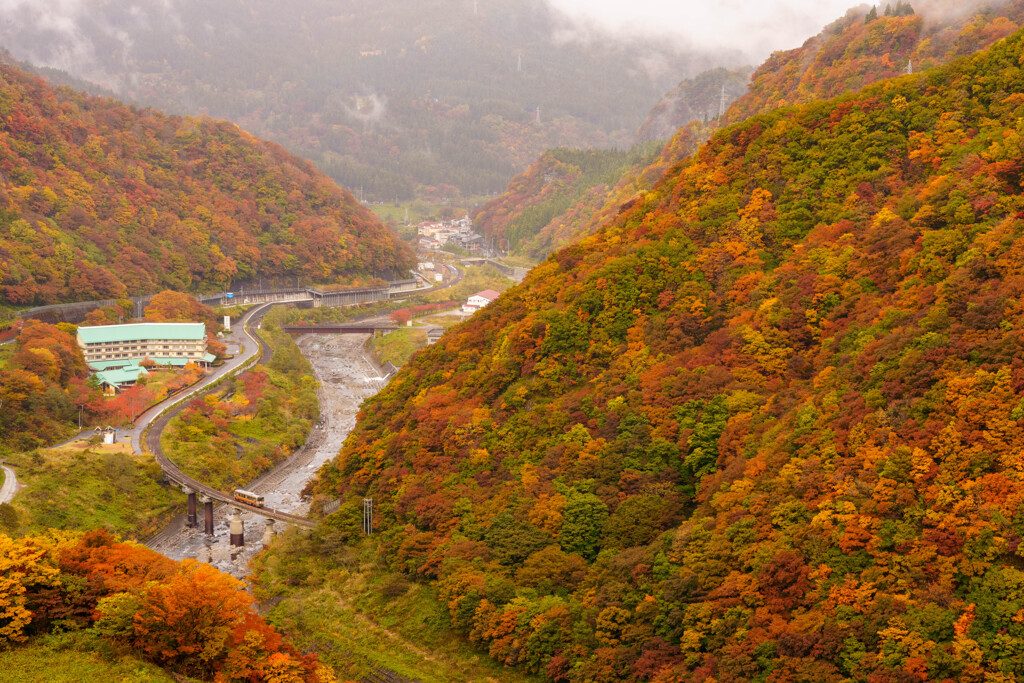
<point>479,300</point>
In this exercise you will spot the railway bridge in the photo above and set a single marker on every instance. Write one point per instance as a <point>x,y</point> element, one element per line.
<point>198,492</point>
<point>354,328</point>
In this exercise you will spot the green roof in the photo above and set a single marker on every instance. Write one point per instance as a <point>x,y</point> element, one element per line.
<point>119,377</point>
<point>173,362</point>
<point>114,364</point>
<point>133,363</point>
<point>141,332</point>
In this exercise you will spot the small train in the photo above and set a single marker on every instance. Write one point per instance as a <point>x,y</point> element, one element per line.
<point>248,497</point>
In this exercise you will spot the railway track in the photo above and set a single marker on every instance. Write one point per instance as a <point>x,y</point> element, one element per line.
<point>174,474</point>
<point>270,480</point>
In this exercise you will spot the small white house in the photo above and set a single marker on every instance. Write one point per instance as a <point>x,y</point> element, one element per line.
<point>479,300</point>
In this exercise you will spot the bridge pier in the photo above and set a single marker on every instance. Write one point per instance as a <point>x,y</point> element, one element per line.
<point>208,515</point>
<point>237,529</point>
<point>268,533</point>
<point>193,520</point>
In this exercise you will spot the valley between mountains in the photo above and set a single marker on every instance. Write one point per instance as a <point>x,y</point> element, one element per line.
<point>754,413</point>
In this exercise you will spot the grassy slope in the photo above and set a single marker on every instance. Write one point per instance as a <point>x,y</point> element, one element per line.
<point>358,619</point>
<point>397,347</point>
<point>475,279</point>
<point>86,488</point>
<point>58,659</point>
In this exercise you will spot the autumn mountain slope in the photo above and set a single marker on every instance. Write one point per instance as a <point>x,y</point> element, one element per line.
<point>109,605</point>
<point>763,425</point>
<point>847,55</point>
<point>858,50</point>
<point>99,200</point>
<point>567,193</point>
<point>557,198</point>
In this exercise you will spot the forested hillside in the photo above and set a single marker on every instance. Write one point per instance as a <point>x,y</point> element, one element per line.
<point>557,197</point>
<point>858,50</point>
<point>101,200</point>
<point>851,53</point>
<point>568,193</point>
<point>399,98</point>
<point>123,601</point>
<point>765,423</point>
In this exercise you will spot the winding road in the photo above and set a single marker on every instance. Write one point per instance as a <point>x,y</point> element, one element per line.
<point>150,426</point>
<point>240,336</point>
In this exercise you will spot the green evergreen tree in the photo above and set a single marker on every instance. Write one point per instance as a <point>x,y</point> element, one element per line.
<point>583,518</point>
<point>872,15</point>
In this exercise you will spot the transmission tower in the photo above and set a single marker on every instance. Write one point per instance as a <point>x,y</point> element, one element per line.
<point>368,516</point>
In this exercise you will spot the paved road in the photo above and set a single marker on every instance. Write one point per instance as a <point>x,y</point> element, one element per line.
<point>10,486</point>
<point>160,414</point>
<point>240,337</point>
<point>85,433</point>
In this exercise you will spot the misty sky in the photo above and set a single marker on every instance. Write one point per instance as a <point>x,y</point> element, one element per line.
<point>756,27</point>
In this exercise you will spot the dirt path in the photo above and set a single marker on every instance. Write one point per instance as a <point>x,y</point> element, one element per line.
<point>10,486</point>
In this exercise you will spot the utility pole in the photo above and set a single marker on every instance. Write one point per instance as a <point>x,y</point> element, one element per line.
<point>721,105</point>
<point>367,516</point>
